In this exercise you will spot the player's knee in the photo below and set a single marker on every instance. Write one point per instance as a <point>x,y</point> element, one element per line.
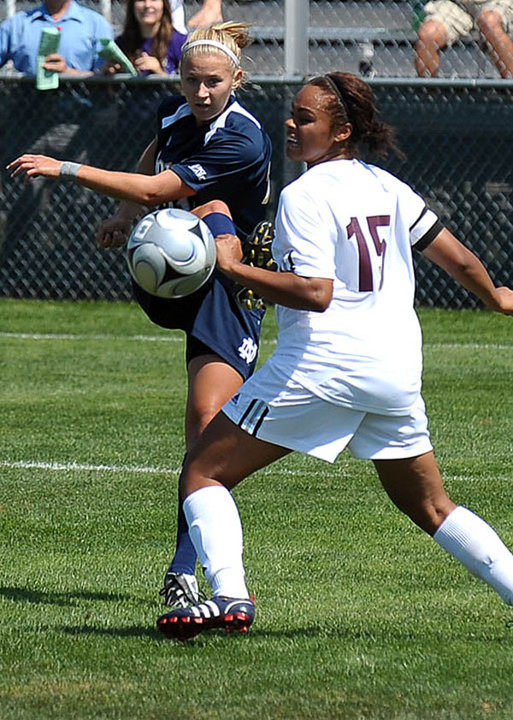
<point>489,21</point>
<point>429,515</point>
<point>213,206</point>
<point>198,417</point>
<point>190,481</point>
<point>431,33</point>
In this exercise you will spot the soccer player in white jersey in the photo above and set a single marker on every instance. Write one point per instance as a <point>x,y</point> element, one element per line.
<point>347,368</point>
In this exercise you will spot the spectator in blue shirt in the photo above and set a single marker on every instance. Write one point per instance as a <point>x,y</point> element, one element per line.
<point>80,28</point>
<point>56,121</point>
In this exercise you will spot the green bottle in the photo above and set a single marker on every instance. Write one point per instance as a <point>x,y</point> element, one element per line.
<point>418,14</point>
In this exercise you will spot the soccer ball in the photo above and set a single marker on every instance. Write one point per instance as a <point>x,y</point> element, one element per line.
<point>171,253</point>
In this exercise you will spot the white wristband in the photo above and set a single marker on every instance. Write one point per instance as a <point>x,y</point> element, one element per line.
<point>69,170</point>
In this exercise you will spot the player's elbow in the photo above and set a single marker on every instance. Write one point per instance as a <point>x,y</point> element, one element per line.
<point>318,305</point>
<point>320,293</point>
<point>152,199</point>
<point>462,264</point>
<point>163,188</point>
<point>156,190</point>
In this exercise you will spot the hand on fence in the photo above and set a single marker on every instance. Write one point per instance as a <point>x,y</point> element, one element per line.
<point>210,13</point>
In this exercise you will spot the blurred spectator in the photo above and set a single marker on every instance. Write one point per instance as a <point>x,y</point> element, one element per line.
<point>80,28</point>
<point>211,12</point>
<point>149,38</point>
<point>447,21</point>
<point>60,120</point>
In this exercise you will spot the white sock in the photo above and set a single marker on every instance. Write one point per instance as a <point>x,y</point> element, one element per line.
<point>473,542</point>
<point>216,533</point>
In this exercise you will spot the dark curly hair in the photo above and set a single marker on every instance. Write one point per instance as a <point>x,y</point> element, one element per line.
<point>351,100</point>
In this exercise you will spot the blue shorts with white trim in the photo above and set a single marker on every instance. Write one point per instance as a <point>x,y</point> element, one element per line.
<point>212,321</point>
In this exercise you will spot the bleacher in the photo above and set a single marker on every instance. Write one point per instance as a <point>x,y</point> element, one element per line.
<point>342,35</point>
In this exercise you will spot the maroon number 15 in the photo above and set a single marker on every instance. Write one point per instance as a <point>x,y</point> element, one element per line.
<point>365,279</point>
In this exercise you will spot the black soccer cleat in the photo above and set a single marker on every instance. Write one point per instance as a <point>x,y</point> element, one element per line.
<point>181,590</point>
<point>258,247</point>
<point>229,614</point>
<point>258,253</point>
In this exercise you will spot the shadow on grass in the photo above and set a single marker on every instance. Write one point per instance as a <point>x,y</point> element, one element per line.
<point>125,632</point>
<point>152,632</point>
<point>255,633</point>
<point>40,597</point>
<point>339,634</point>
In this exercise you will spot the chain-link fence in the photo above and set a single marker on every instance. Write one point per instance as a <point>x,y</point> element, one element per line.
<point>458,139</point>
<point>374,36</point>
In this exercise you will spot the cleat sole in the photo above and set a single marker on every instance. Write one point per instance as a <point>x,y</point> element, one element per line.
<point>185,624</point>
<point>186,628</point>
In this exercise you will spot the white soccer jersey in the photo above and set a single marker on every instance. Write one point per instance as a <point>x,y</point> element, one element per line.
<point>356,224</point>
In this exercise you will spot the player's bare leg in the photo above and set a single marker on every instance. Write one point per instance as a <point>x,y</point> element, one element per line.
<point>490,26</point>
<point>211,383</point>
<point>415,486</point>
<point>432,37</point>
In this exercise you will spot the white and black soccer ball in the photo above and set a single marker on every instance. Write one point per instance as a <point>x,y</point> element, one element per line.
<point>171,253</point>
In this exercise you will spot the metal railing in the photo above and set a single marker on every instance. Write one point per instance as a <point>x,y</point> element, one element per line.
<point>301,37</point>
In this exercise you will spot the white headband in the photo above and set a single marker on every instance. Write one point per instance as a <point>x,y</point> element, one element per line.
<point>212,43</point>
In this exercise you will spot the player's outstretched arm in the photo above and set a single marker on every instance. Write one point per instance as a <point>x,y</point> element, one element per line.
<point>283,288</point>
<point>466,268</point>
<point>150,190</point>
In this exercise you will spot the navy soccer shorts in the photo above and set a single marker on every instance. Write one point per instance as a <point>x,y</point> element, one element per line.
<point>212,320</point>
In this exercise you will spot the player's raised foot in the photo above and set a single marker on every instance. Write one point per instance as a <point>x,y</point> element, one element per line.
<point>230,614</point>
<point>180,590</point>
<point>257,253</point>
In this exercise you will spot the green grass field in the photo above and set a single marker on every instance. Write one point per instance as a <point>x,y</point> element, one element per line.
<point>360,615</point>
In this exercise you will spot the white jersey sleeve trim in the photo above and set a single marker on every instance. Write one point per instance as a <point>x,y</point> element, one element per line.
<point>220,122</point>
<point>182,111</point>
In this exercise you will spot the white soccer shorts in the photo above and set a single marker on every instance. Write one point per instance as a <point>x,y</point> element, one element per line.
<point>295,418</point>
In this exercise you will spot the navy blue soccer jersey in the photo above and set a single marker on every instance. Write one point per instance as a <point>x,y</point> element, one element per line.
<point>227,159</point>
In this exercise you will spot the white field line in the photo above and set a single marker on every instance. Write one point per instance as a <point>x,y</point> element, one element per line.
<point>101,337</point>
<point>179,338</point>
<point>467,346</point>
<point>142,469</point>
<point>63,336</point>
<point>81,467</point>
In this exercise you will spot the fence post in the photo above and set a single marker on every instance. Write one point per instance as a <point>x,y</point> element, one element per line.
<point>297,21</point>
<point>106,9</point>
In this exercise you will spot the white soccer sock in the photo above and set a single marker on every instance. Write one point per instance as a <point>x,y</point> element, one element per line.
<point>216,532</point>
<point>475,544</point>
